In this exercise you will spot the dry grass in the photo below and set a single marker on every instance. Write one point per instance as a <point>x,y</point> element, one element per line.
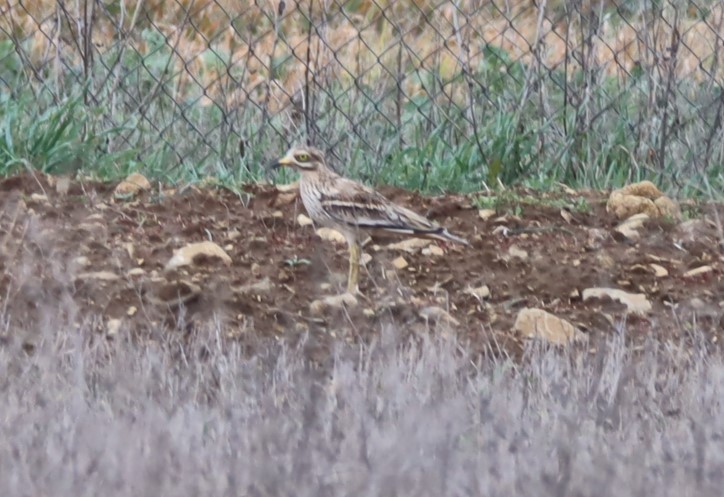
<point>371,41</point>
<point>192,416</point>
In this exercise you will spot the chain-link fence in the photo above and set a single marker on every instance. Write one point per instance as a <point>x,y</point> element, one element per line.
<point>425,93</point>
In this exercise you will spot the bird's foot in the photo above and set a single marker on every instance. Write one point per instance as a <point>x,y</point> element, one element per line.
<point>346,299</point>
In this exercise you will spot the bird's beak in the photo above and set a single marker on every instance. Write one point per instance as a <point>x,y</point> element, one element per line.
<point>284,161</point>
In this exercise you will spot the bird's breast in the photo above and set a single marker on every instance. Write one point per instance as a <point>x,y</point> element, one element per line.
<point>312,199</point>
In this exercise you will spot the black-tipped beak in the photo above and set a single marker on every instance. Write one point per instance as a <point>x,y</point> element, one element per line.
<point>279,163</point>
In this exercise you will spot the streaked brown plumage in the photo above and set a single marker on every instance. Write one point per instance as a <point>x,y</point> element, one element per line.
<point>350,207</point>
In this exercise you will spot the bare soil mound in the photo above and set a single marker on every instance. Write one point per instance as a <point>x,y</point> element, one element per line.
<point>106,259</point>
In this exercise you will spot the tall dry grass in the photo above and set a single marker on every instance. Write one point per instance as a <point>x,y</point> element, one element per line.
<point>193,416</point>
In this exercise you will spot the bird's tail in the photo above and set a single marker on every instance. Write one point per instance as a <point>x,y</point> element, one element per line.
<point>444,234</point>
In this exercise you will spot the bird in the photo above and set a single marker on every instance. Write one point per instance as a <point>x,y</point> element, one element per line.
<point>353,208</point>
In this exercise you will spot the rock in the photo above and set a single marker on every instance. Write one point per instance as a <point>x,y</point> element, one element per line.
<point>410,245</point>
<point>437,314</point>
<point>98,275</point>
<point>113,326</point>
<point>516,253</point>
<point>636,303</point>
<point>628,229</point>
<point>434,250</point>
<point>136,271</point>
<point>303,220</point>
<point>333,302</point>
<point>486,214</point>
<point>659,271</point>
<point>400,263</point>
<point>641,198</point>
<point>196,254</point>
<point>133,184</point>
<point>131,311</point>
<point>62,186</point>
<point>81,261</point>
<point>331,235</point>
<point>698,271</point>
<point>481,292</point>
<point>537,323</point>
<point>173,293</point>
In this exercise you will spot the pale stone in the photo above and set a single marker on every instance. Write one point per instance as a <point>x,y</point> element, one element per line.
<point>537,323</point>
<point>187,255</point>
<point>133,184</point>
<point>635,302</point>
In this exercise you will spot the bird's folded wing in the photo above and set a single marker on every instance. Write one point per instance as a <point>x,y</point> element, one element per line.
<point>358,206</point>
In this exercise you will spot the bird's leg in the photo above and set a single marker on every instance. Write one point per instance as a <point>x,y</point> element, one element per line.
<point>353,278</point>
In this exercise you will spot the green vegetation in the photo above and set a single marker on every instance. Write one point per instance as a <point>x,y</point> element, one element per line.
<point>514,202</point>
<point>508,123</point>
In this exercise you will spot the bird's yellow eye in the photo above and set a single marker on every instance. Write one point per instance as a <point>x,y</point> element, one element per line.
<point>302,157</point>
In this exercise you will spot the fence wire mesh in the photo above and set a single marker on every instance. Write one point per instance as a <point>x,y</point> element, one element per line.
<point>452,93</point>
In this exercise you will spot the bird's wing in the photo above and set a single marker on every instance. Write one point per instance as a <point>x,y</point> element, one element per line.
<point>356,205</point>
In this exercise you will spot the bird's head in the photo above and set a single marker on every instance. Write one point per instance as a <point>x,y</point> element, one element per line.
<point>303,159</point>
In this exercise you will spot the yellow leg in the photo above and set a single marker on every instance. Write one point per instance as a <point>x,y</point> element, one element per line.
<point>353,278</point>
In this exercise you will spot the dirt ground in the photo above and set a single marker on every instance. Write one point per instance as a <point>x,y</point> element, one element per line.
<point>103,260</point>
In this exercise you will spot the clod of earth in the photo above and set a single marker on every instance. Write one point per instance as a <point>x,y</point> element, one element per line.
<point>197,253</point>
<point>537,323</point>
<point>635,303</point>
<point>330,235</point>
<point>641,198</point>
<point>132,185</point>
<point>628,229</point>
<point>486,214</point>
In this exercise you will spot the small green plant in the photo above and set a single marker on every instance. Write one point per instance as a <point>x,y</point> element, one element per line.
<point>296,261</point>
<point>514,202</point>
